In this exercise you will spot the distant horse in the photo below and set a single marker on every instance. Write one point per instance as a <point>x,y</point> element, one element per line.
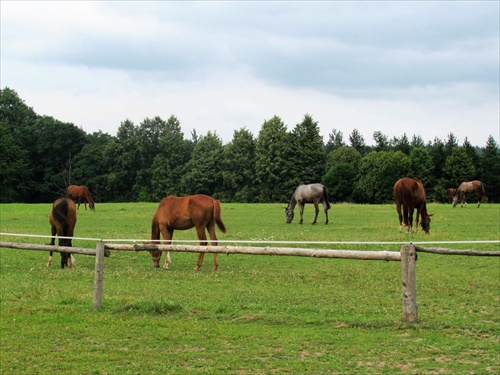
<point>81,194</point>
<point>199,211</point>
<point>475,186</point>
<point>62,221</point>
<point>450,193</point>
<point>410,194</point>
<point>313,193</point>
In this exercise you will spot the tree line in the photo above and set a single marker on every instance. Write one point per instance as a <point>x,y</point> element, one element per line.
<point>41,156</point>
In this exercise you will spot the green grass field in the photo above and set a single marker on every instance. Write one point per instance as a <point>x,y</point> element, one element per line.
<point>257,314</point>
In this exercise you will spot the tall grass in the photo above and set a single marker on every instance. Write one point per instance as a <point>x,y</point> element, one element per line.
<point>257,314</point>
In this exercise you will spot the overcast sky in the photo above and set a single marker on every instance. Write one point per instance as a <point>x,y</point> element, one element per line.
<point>426,67</point>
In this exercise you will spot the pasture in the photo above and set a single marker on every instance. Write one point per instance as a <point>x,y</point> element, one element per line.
<point>257,314</point>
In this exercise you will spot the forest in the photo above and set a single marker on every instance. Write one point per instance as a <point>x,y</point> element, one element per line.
<point>145,162</point>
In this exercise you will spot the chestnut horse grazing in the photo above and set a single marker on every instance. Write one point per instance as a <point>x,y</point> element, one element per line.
<point>199,211</point>
<point>313,193</point>
<point>475,186</point>
<point>410,194</point>
<point>81,194</point>
<point>63,220</point>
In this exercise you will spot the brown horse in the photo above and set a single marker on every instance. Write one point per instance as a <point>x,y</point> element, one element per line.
<point>199,211</point>
<point>313,193</point>
<point>450,193</point>
<point>475,186</point>
<point>411,194</point>
<point>62,221</point>
<point>81,194</point>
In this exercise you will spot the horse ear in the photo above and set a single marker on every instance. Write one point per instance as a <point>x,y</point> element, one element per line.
<point>431,215</point>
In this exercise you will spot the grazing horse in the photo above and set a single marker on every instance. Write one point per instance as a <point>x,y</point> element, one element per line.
<point>199,211</point>
<point>410,194</point>
<point>81,194</point>
<point>450,193</point>
<point>475,186</point>
<point>62,220</point>
<point>313,193</point>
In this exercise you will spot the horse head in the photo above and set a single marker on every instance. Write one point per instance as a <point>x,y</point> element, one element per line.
<point>289,214</point>
<point>426,223</point>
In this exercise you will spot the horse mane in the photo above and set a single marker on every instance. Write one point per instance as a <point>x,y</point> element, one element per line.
<point>293,201</point>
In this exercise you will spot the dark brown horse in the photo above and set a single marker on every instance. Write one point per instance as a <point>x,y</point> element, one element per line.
<point>410,194</point>
<point>475,186</point>
<point>62,221</point>
<point>199,211</point>
<point>81,194</point>
<point>315,194</point>
<point>450,193</point>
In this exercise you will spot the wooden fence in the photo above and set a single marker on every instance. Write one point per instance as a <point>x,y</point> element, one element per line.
<point>407,256</point>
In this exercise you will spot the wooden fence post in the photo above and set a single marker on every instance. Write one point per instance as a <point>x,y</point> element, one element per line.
<point>99,275</point>
<point>409,283</point>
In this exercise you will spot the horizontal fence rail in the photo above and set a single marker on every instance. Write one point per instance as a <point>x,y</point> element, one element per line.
<point>54,248</point>
<point>440,250</point>
<point>287,251</point>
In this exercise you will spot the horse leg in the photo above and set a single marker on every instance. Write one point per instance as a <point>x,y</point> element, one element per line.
<point>203,242</point>
<point>419,214</point>
<point>316,210</point>
<point>167,238</point>
<point>301,209</point>
<point>325,208</point>
<point>213,240</point>
<point>400,216</point>
<point>410,219</point>
<point>406,218</point>
<point>71,258</point>
<point>52,242</point>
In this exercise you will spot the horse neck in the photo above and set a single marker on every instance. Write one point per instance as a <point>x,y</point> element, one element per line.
<point>88,197</point>
<point>292,203</point>
<point>423,211</point>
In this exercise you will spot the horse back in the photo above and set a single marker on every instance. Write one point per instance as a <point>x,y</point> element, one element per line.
<point>63,215</point>
<point>409,192</point>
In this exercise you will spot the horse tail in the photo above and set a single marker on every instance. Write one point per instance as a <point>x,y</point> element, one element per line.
<point>155,230</point>
<point>325,197</point>
<point>483,192</point>
<point>217,217</point>
<point>59,214</point>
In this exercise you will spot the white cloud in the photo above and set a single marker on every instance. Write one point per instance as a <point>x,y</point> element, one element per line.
<point>426,68</point>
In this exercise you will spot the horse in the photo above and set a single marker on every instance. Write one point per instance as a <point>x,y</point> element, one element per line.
<point>81,194</point>
<point>450,193</point>
<point>313,193</point>
<point>475,186</point>
<point>62,220</point>
<point>198,211</point>
<point>410,194</point>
